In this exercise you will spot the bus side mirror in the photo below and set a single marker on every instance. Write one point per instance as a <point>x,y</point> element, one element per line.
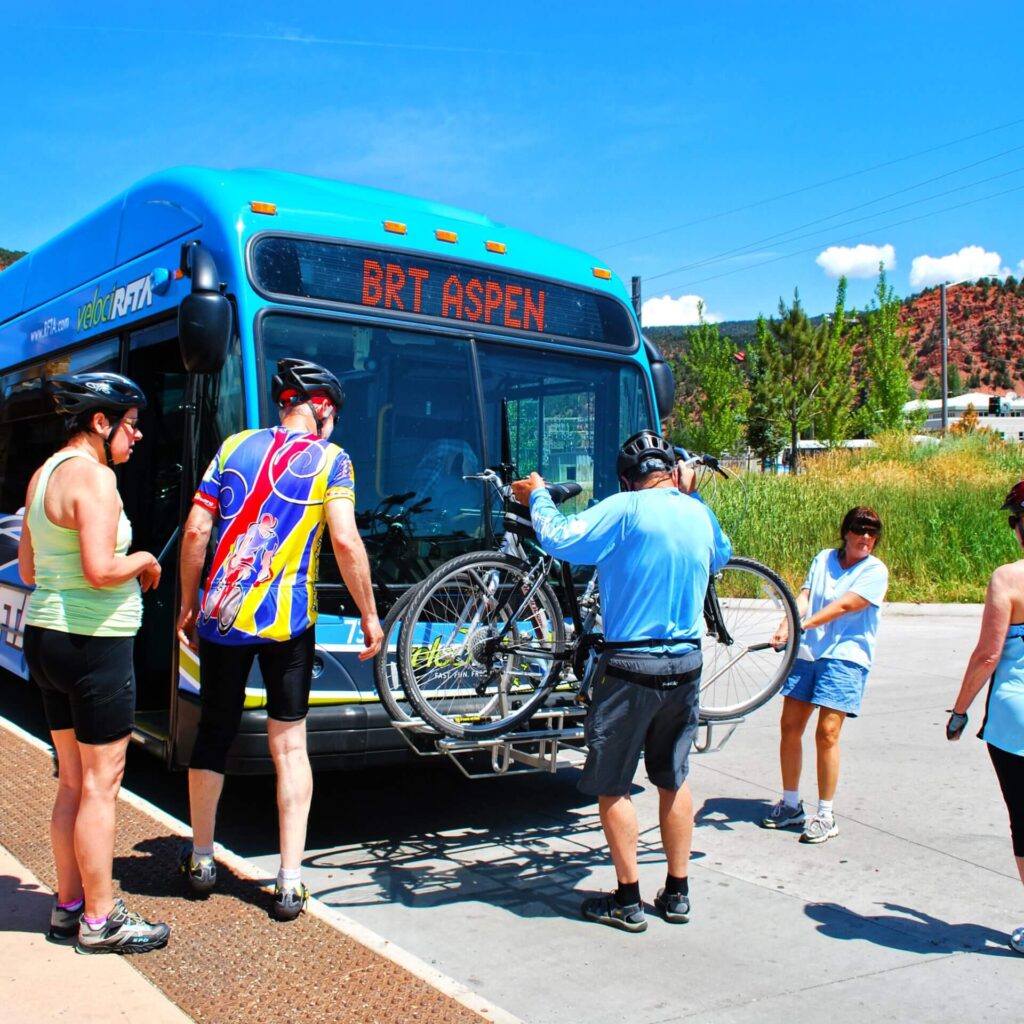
<point>204,316</point>
<point>664,382</point>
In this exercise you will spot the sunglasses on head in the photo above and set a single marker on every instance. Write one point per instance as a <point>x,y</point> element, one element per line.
<point>861,527</point>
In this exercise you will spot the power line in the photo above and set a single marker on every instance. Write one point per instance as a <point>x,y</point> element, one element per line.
<point>848,238</point>
<point>809,188</point>
<point>856,220</point>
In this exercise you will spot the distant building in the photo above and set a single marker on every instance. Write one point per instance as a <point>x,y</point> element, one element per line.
<point>1003,414</point>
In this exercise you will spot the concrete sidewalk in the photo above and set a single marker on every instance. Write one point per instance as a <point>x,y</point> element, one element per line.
<point>41,981</point>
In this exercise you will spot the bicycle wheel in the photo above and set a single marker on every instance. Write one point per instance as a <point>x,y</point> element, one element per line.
<point>478,647</point>
<point>386,675</point>
<point>745,604</point>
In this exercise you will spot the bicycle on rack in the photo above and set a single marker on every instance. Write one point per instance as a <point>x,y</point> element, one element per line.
<point>482,643</point>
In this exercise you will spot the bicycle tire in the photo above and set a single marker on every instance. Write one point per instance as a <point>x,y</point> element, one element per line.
<point>454,681</point>
<point>745,671</point>
<point>386,674</point>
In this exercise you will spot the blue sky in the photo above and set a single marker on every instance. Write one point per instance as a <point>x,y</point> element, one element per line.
<point>726,152</point>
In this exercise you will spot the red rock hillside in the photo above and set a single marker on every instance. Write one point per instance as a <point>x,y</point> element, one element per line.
<point>985,325</point>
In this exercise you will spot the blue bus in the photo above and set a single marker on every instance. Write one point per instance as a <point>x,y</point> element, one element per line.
<point>460,343</point>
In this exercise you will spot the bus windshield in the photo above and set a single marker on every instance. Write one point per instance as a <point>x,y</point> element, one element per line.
<point>424,410</point>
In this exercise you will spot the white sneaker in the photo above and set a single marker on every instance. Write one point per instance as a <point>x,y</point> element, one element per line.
<point>784,816</point>
<point>818,830</point>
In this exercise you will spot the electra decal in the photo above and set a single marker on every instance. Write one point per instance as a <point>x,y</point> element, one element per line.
<point>121,299</point>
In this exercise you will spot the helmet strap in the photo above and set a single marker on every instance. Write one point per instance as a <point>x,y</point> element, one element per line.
<point>115,427</point>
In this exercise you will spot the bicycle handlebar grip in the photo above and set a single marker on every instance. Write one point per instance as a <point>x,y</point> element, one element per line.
<point>563,492</point>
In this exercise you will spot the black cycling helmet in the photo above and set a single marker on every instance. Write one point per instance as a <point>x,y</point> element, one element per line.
<point>643,453</point>
<point>306,379</point>
<point>76,393</point>
<point>79,394</point>
<point>297,380</point>
<point>1015,499</point>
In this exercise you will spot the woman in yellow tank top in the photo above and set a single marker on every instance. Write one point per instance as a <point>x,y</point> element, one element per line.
<point>80,623</point>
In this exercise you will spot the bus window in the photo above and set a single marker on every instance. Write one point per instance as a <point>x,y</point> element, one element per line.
<point>566,415</point>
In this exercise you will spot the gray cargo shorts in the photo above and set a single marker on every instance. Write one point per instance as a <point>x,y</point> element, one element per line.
<point>644,703</point>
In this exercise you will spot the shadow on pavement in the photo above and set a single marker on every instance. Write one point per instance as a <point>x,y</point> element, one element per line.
<point>722,812</point>
<point>25,907</point>
<point>156,873</point>
<point>907,929</point>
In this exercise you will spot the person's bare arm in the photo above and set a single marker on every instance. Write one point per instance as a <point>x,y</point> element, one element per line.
<point>194,539</point>
<point>95,510</point>
<point>995,620</point>
<point>849,602</point>
<point>350,554</point>
<point>26,558</point>
<point>803,600</point>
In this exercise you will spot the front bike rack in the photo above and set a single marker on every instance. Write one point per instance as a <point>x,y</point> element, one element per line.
<point>552,740</point>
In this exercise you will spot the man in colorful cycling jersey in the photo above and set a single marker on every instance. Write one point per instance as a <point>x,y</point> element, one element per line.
<point>654,547</point>
<point>269,493</point>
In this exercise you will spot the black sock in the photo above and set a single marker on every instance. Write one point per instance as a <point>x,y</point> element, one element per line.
<point>677,886</point>
<point>627,893</point>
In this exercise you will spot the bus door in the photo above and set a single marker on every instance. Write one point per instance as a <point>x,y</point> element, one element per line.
<point>151,489</point>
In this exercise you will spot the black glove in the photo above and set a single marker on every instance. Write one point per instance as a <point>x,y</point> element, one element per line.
<point>956,725</point>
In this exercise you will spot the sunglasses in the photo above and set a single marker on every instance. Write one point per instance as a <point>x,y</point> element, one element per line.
<point>868,529</point>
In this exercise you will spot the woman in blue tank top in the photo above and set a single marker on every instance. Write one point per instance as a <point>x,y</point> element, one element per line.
<point>999,659</point>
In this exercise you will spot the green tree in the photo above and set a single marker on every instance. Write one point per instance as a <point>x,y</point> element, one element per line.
<point>954,384</point>
<point>833,418</point>
<point>930,388</point>
<point>713,391</point>
<point>764,435</point>
<point>793,369</point>
<point>887,363</point>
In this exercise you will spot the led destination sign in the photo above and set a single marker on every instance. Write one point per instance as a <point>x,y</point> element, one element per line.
<point>411,284</point>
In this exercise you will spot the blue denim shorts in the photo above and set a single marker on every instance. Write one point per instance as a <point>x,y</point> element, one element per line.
<point>828,683</point>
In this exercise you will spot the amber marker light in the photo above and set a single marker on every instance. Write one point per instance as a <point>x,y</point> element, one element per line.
<point>445,236</point>
<point>602,273</point>
<point>396,227</point>
<point>499,247</point>
<point>270,209</point>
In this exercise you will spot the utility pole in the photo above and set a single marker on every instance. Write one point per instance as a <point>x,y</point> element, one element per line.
<point>945,360</point>
<point>636,296</point>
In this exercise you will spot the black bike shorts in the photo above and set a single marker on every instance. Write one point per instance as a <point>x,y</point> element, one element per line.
<point>286,667</point>
<point>87,682</point>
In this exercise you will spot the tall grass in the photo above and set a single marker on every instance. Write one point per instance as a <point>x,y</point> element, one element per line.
<point>943,531</point>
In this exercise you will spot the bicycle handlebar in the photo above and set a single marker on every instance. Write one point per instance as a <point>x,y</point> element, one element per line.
<point>689,459</point>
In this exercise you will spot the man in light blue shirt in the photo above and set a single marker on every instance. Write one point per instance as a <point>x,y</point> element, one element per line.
<point>655,546</point>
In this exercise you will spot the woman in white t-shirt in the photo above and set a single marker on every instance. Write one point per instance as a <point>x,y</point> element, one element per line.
<point>840,604</point>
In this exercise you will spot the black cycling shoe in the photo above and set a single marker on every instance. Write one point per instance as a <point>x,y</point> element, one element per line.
<point>201,875</point>
<point>290,902</point>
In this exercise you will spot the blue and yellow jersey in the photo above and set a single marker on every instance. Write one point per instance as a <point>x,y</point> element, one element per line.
<point>267,489</point>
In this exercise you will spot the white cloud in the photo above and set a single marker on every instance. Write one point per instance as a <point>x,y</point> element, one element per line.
<point>858,261</point>
<point>668,312</point>
<point>970,263</point>
<point>1020,267</point>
